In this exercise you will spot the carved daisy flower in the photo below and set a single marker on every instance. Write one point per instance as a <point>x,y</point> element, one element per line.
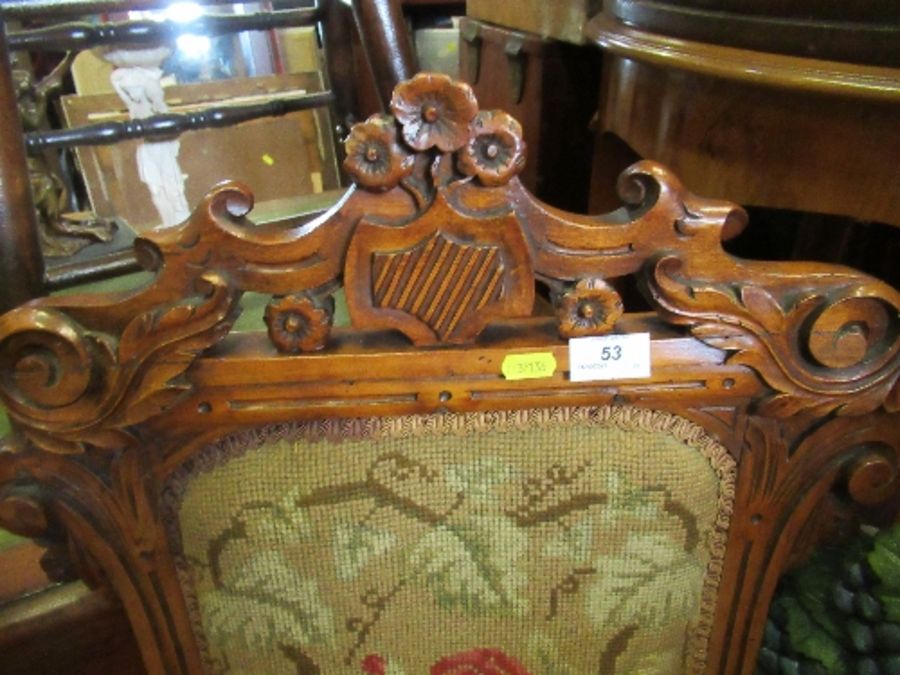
<point>496,152</point>
<point>374,158</point>
<point>591,308</point>
<point>434,111</point>
<point>296,323</point>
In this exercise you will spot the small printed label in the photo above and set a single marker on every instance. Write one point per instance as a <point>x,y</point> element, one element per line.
<point>528,366</point>
<point>609,357</point>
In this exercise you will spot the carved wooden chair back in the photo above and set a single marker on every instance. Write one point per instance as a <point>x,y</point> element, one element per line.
<point>386,44</point>
<point>451,483</point>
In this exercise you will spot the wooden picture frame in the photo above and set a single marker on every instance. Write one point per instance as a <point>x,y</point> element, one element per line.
<point>285,157</point>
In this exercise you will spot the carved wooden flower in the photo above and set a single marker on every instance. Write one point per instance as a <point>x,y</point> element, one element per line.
<point>592,307</point>
<point>297,323</point>
<point>374,158</point>
<point>495,152</point>
<point>434,111</point>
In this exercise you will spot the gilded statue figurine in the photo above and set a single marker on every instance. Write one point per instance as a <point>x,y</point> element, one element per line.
<point>63,231</point>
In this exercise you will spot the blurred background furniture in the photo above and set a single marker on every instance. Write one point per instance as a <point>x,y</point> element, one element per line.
<point>550,86</point>
<point>717,89</point>
<point>382,29</point>
<point>791,110</point>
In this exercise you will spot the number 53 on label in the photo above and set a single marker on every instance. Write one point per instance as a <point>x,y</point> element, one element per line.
<point>609,357</point>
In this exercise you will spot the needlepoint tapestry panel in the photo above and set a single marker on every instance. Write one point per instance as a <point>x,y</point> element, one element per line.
<point>545,541</point>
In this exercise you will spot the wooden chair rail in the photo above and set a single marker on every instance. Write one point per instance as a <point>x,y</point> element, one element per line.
<point>171,125</point>
<point>30,9</point>
<point>77,36</point>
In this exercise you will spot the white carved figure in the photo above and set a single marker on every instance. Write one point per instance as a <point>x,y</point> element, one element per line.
<point>137,81</point>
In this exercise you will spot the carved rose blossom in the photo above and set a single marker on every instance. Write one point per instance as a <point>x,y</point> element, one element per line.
<point>434,111</point>
<point>496,152</point>
<point>479,662</point>
<point>297,323</point>
<point>591,308</point>
<point>374,158</point>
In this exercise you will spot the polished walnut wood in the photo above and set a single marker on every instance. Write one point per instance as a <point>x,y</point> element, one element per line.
<point>859,32</point>
<point>793,367</point>
<point>381,28</point>
<point>826,132</point>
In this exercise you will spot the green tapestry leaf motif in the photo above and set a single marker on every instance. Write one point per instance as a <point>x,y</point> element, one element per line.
<point>266,602</point>
<point>477,479</point>
<point>651,582</point>
<point>574,543</point>
<point>628,500</point>
<point>545,654</point>
<point>473,565</point>
<point>357,543</point>
<point>275,523</point>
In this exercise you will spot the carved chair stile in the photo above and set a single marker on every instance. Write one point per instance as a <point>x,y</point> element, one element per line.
<point>387,474</point>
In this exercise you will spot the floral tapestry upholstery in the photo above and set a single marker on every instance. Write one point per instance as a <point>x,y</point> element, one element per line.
<point>546,541</point>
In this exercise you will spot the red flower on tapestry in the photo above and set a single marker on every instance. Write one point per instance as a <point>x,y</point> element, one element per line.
<point>479,662</point>
<point>374,664</point>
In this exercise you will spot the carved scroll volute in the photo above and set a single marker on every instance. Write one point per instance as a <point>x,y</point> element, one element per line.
<point>83,369</point>
<point>441,276</point>
<point>823,337</point>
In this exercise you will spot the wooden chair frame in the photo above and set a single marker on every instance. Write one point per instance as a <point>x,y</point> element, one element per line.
<point>793,367</point>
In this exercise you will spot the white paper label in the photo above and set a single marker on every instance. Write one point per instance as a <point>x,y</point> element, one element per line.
<point>609,357</point>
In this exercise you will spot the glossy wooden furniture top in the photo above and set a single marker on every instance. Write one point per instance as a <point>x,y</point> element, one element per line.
<point>870,83</point>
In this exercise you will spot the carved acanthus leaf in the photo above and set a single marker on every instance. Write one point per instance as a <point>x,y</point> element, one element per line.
<point>69,387</point>
<point>819,354</point>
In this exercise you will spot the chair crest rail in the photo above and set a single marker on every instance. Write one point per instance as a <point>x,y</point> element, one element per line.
<point>438,239</point>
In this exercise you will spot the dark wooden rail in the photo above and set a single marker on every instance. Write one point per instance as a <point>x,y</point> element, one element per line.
<point>170,125</point>
<point>84,35</point>
<point>30,9</point>
<point>381,28</point>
